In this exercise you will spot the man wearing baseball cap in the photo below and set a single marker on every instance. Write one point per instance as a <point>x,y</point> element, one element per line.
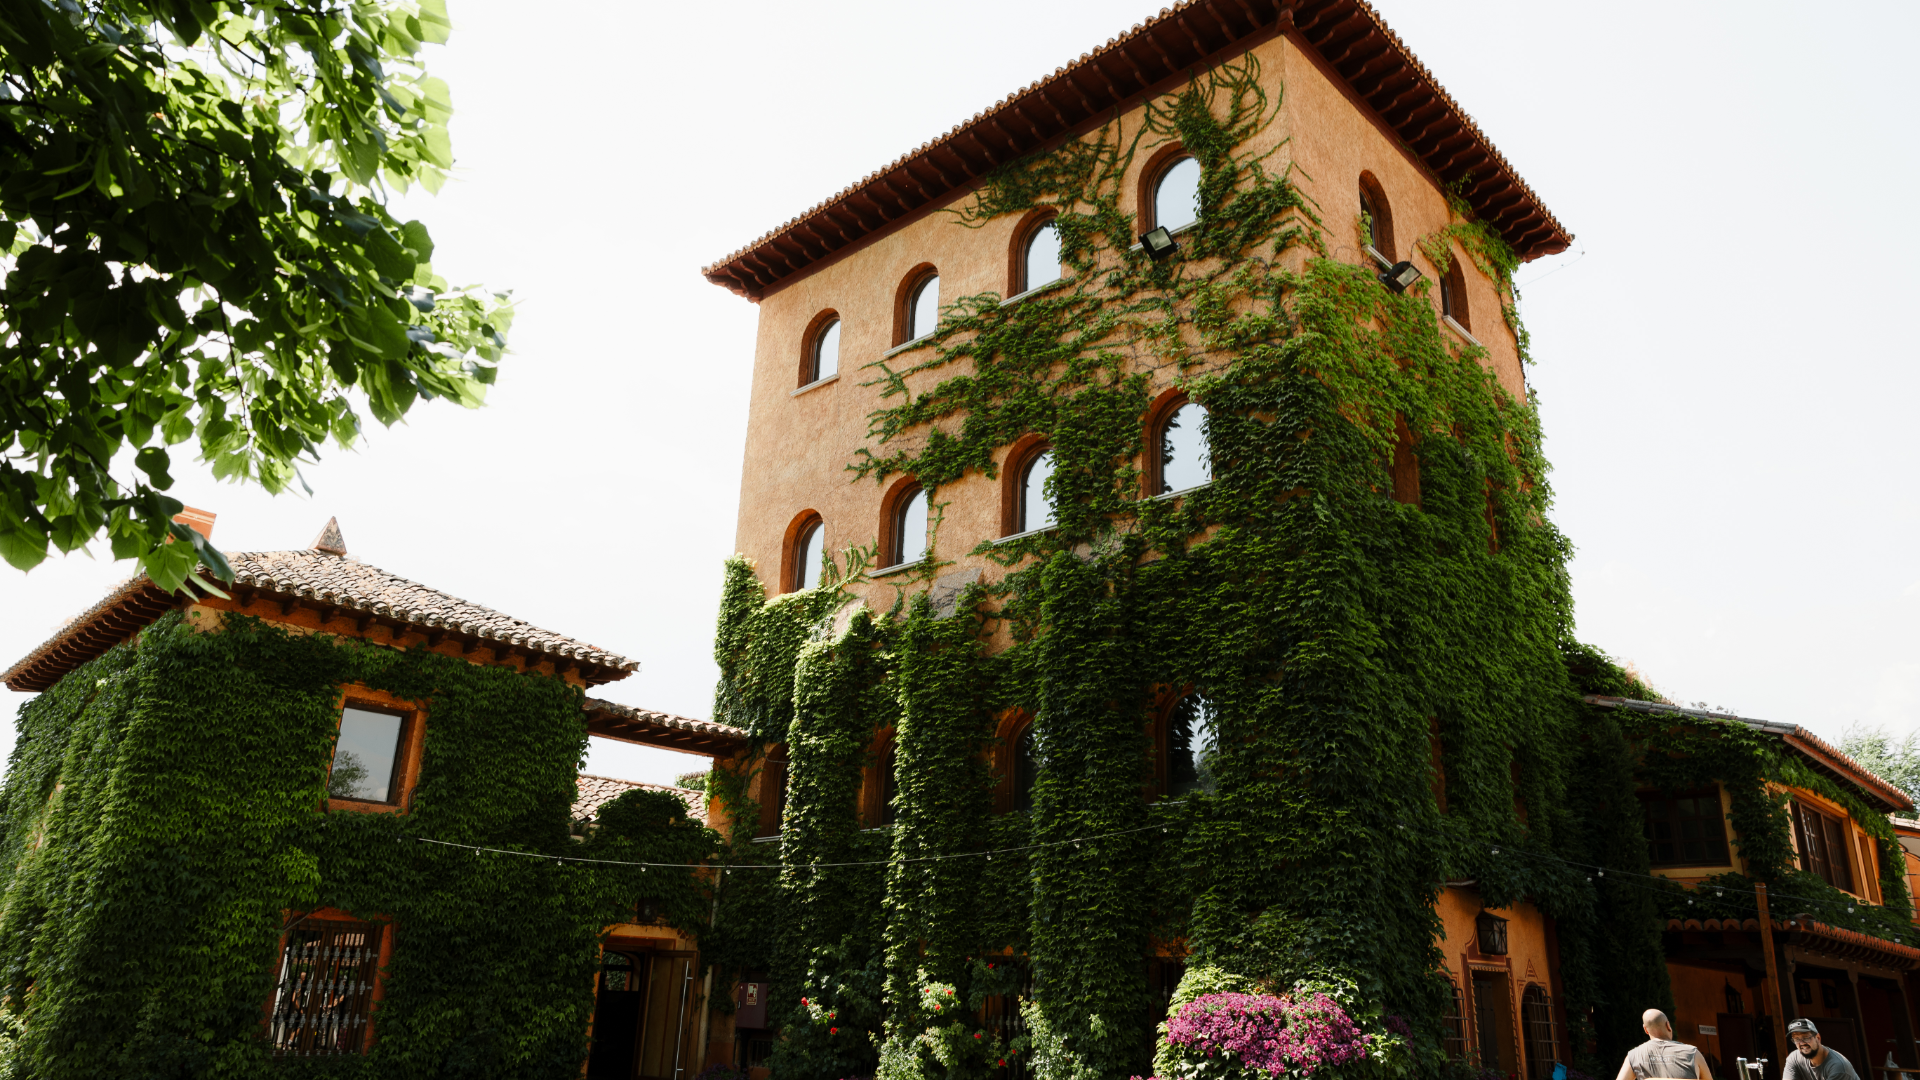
<point>1813,1060</point>
<point>1660,1058</point>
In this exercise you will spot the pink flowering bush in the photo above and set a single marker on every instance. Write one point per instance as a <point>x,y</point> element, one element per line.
<point>1236,1036</point>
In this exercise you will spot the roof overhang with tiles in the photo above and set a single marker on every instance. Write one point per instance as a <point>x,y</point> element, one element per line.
<point>1155,56</point>
<point>267,577</point>
<point>625,723</point>
<point>1814,937</point>
<point>1814,751</point>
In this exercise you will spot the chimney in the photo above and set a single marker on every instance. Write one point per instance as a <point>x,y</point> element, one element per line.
<point>200,521</point>
<point>330,540</point>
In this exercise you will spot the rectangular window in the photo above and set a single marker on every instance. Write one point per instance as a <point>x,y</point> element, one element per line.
<point>1823,845</point>
<point>324,996</point>
<point>1685,829</point>
<point>366,757</point>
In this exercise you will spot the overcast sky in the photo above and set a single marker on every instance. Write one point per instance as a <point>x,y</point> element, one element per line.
<point>1724,361</point>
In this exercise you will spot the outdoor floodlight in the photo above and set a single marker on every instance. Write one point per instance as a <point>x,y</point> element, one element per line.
<point>1399,276</point>
<point>1159,244</point>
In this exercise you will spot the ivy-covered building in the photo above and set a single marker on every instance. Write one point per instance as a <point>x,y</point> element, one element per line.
<point>316,828</point>
<point>1148,588</point>
<point>1729,801</point>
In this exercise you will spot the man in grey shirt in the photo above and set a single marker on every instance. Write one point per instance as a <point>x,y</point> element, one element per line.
<point>1813,1060</point>
<point>1660,1058</point>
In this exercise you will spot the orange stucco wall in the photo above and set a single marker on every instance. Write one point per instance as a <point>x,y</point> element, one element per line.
<point>1529,960</point>
<point>798,444</point>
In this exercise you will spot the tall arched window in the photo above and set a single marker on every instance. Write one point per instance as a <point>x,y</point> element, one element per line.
<point>1035,511</point>
<point>1176,195</point>
<point>1536,1014</point>
<point>1026,768</point>
<point>1185,457</point>
<point>1189,746</point>
<point>808,546</point>
<point>1453,295</point>
<point>824,352</point>
<point>1040,258</point>
<point>889,785</point>
<point>1378,216</point>
<point>909,533</point>
<point>923,307</point>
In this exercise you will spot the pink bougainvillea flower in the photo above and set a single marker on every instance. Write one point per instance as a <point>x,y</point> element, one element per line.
<point>1275,1035</point>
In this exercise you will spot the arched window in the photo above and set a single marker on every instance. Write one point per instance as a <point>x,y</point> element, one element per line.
<point>1536,1016</point>
<point>1026,769</point>
<point>1040,258</point>
<point>824,353</point>
<point>1176,194</point>
<point>1377,215</point>
<point>1453,295</point>
<point>923,307</point>
<point>909,533</point>
<point>889,786</point>
<point>1185,456</point>
<point>1035,510</point>
<point>1190,737</point>
<point>808,546</point>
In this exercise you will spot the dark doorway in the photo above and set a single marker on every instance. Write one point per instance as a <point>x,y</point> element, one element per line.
<point>640,1019</point>
<point>1493,1022</point>
<point>616,1018</point>
<point>1883,1014</point>
<point>1736,1039</point>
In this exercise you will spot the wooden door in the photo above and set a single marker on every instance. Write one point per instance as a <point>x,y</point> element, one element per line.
<point>658,1054</point>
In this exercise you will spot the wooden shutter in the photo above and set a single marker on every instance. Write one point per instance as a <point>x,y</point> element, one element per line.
<point>1842,866</point>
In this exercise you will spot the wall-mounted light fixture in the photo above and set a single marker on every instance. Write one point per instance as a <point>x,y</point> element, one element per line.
<point>1159,244</point>
<point>1399,276</point>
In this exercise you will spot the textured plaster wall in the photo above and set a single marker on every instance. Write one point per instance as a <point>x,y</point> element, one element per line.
<point>1528,960</point>
<point>799,444</point>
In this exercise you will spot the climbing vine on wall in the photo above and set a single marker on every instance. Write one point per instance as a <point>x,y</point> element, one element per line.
<point>161,829</point>
<point>1331,628</point>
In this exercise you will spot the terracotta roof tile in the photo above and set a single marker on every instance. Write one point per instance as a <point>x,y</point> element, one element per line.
<point>341,582</point>
<point>1349,34</point>
<point>628,723</point>
<point>596,791</point>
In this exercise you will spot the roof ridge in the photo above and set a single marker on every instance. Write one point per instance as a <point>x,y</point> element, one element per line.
<point>1288,16</point>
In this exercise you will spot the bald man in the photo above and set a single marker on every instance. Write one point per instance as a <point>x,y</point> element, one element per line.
<point>1660,1058</point>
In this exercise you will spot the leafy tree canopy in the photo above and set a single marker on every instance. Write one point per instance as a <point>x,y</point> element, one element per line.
<point>196,246</point>
<point>1893,759</point>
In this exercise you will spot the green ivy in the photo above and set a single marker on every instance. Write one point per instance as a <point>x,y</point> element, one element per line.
<point>1333,629</point>
<point>160,821</point>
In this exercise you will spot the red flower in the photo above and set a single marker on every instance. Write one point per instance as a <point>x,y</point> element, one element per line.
<point>976,1034</point>
<point>803,1001</point>
<point>833,1031</point>
<point>1003,1061</point>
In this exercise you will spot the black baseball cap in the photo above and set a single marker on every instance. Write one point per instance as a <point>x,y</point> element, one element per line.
<point>1802,1025</point>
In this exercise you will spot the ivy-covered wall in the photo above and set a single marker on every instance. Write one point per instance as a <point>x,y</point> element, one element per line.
<point>1331,625</point>
<point>161,818</point>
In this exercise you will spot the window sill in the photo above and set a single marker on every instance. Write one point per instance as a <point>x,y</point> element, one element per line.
<point>362,806</point>
<point>896,568</point>
<point>774,839</point>
<point>1182,491</point>
<point>1179,232</point>
<point>815,385</point>
<point>1024,535</point>
<point>907,346</point>
<point>1035,291</point>
<point>1462,331</point>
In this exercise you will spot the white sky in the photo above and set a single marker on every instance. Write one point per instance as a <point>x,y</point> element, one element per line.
<point>1725,372</point>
